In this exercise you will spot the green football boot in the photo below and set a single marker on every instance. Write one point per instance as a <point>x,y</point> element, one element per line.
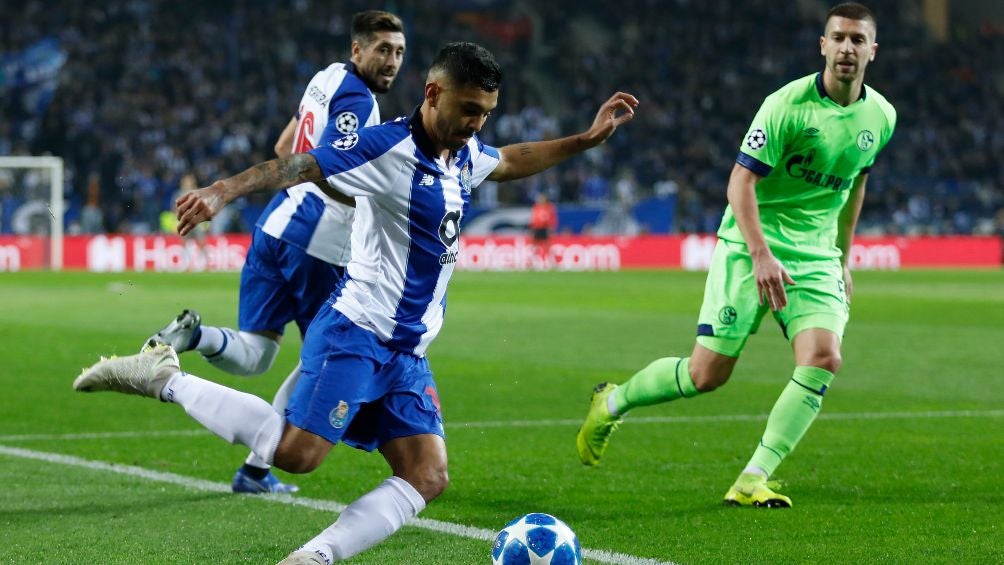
<point>600,423</point>
<point>751,489</point>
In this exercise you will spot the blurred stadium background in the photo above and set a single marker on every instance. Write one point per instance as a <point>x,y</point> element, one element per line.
<point>138,97</point>
<point>135,95</point>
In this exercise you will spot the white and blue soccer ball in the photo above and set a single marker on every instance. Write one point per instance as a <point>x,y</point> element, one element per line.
<point>536,539</point>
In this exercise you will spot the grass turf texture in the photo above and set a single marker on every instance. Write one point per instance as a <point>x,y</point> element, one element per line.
<point>520,348</point>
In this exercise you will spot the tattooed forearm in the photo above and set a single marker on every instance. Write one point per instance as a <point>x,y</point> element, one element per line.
<point>301,167</point>
<point>275,174</point>
<point>296,169</point>
<point>525,149</point>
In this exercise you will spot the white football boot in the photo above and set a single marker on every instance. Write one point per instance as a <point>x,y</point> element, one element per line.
<point>143,374</point>
<point>303,558</point>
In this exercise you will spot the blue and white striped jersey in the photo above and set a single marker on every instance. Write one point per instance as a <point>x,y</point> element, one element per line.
<point>336,102</point>
<point>410,204</point>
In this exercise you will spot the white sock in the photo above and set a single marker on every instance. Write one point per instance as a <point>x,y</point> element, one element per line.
<point>245,354</point>
<point>610,405</point>
<point>234,416</point>
<point>756,471</point>
<point>212,340</point>
<point>369,520</point>
<point>279,405</point>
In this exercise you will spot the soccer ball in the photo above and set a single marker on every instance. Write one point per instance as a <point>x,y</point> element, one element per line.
<point>536,539</point>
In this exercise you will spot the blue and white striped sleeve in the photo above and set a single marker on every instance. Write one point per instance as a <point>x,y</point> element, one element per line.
<point>361,163</point>
<point>348,112</point>
<point>484,159</point>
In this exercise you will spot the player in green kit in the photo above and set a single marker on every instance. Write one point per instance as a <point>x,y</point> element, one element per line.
<point>794,195</point>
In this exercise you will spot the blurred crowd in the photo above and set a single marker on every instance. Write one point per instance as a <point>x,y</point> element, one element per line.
<point>153,90</point>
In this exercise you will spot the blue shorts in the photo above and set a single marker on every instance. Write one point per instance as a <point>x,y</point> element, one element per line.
<point>355,389</point>
<point>280,284</point>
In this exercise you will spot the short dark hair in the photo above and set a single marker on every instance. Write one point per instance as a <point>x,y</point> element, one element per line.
<point>851,11</point>
<point>466,63</point>
<point>365,25</point>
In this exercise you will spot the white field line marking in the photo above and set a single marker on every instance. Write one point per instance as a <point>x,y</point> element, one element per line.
<point>550,423</point>
<point>741,418</point>
<point>450,528</point>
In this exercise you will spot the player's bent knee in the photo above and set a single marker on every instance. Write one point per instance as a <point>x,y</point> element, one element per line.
<point>825,359</point>
<point>295,464</point>
<point>709,369</point>
<point>298,462</point>
<point>439,481</point>
<point>300,451</point>
<point>707,379</point>
<point>421,461</point>
<point>430,482</point>
<point>818,347</point>
<point>707,383</point>
<point>830,362</point>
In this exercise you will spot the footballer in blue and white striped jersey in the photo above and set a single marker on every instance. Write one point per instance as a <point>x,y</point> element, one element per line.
<point>301,242</point>
<point>410,207</point>
<point>365,379</point>
<point>336,102</point>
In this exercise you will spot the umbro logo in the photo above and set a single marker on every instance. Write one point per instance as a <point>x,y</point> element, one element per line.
<point>810,132</point>
<point>427,180</point>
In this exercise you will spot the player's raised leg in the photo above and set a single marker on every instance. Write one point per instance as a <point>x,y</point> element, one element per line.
<point>242,353</point>
<point>234,416</point>
<point>267,304</point>
<point>280,283</point>
<point>663,380</point>
<point>236,352</point>
<point>724,324</point>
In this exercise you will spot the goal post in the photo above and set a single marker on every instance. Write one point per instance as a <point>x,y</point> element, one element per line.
<point>53,166</point>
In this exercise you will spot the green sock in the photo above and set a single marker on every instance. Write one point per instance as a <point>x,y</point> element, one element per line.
<point>791,416</point>
<point>663,380</point>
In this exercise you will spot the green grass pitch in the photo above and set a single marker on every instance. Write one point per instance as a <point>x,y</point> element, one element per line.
<point>904,464</point>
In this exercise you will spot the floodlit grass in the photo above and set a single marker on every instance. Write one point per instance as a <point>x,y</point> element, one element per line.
<point>904,464</point>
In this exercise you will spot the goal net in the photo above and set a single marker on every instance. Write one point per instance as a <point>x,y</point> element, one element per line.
<point>31,213</point>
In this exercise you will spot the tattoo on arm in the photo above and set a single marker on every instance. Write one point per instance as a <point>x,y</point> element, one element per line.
<point>298,168</point>
<point>276,174</point>
<point>524,149</point>
<point>288,171</point>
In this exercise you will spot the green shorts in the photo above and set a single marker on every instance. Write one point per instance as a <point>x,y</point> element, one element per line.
<point>731,311</point>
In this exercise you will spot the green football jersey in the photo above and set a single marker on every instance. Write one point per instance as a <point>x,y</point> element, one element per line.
<point>809,150</point>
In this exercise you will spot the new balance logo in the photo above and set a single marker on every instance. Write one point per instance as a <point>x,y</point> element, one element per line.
<point>427,180</point>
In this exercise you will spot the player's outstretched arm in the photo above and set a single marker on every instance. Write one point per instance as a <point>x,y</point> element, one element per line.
<point>201,205</point>
<point>524,159</point>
